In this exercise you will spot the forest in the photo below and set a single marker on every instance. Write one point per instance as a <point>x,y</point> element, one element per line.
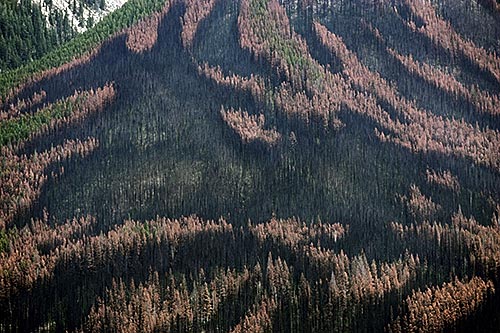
<point>253,166</point>
<point>25,35</point>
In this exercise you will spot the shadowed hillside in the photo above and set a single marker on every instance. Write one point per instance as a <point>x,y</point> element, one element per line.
<point>257,166</point>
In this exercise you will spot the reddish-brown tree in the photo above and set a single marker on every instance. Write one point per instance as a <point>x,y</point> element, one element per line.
<point>482,100</point>
<point>143,35</point>
<point>15,109</point>
<point>254,84</point>
<point>250,127</point>
<point>444,179</point>
<point>196,11</point>
<point>442,33</point>
<point>436,309</point>
<point>418,130</point>
<point>23,176</point>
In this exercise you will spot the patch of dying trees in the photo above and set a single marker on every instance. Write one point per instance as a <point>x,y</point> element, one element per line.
<point>444,179</point>
<point>259,319</point>
<point>482,100</point>
<point>250,128</point>
<point>168,301</point>
<point>440,244</point>
<point>34,255</point>
<point>17,131</point>
<point>255,84</point>
<point>22,177</point>
<point>293,232</point>
<point>351,278</point>
<point>261,23</point>
<point>164,303</point>
<point>49,73</point>
<point>78,106</point>
<point>196,11</point>
<point>15,109</point>
<point>309,92</point>
<point>464,236</point>
<point>143,35</point>
<point>307,279</point>
<point>442,33</point>
<point>418,130</point>
<point>438,308</point>
<point>420,206</point>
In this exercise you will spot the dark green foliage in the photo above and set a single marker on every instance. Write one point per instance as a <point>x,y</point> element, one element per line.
<point>131,12</point>
<point>18,129</point>
<point>6,236</point>
<point>24,34</point>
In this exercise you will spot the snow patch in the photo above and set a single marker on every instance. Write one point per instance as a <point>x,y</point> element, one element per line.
<point>65,6</point>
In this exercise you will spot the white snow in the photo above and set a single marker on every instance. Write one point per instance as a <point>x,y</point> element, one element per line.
<point>65,7</point>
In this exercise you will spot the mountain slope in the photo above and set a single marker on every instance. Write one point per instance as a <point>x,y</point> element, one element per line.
<point>255,166</point>
<point>82,14</point>
<point>31,29</point>
<point>25,35</point>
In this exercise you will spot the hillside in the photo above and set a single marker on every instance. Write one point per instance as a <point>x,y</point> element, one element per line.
<point>256,166</point>
<point>81,14</point>
<point>33,28</point>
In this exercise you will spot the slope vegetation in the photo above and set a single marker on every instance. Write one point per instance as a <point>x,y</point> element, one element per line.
<point>256,166</point>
